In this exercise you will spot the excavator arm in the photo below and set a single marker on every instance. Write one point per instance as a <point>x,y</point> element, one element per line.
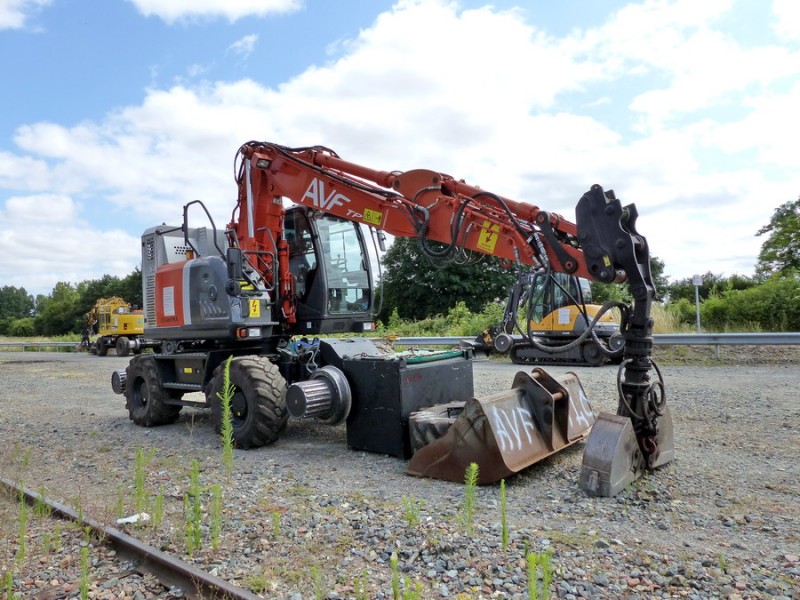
<point>602,245</point>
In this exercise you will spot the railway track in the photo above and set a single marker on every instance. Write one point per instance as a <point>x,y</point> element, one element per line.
<point>173,573</point>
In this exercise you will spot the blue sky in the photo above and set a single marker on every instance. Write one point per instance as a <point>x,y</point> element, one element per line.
<point>115,113</point>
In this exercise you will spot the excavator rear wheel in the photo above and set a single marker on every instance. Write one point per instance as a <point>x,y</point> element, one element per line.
<point>258,406</point>
<point>100,346</point>
<point>145,399</point>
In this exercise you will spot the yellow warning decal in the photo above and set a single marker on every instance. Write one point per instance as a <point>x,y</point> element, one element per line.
<point>187,370</point>
<point>373,217</point>
<point>255,308</point>
<point>607,261</point>
<point>487,238</point>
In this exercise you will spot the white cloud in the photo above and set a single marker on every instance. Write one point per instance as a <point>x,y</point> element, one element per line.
<point>244,46</point>
<point>787,22</point>
<point>232,10</point>
<point>50,244</point>
<point>415,90</point>
<point>15,13</point>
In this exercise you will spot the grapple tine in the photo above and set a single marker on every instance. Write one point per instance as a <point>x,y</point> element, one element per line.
<point>508,431</point>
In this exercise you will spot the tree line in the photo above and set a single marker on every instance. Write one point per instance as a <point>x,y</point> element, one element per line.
<point>63,310</point>
<point>414,288</point>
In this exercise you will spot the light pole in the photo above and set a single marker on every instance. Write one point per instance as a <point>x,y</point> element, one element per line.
<point>698,281</point>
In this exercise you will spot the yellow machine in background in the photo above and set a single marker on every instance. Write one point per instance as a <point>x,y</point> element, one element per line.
<point>546,320</point>
<point>117,326</point>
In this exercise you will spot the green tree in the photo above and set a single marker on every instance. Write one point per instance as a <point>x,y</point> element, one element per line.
<point>131,288</point>
<point>60,312</point>
<point>416,288</point>
<point>128,288</point>
<point>15,302</point>
<point>780,252</point>
<point>713,285</point>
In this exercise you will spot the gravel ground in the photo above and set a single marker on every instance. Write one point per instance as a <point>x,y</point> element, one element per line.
<point>308,518</point>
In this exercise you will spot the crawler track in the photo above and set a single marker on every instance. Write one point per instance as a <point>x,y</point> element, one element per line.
<point>170,571</point>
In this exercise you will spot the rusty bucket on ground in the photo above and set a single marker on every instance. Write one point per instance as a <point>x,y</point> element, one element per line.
<point>506,432</point>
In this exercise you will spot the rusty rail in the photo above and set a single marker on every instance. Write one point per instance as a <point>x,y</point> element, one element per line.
<point>170,571</point>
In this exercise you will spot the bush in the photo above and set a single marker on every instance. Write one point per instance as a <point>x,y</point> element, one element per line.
<point>22,327</point>
<point>771,306</point>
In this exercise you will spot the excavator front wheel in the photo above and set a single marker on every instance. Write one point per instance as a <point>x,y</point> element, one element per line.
<point>258,405</point>
<point>145,398</point>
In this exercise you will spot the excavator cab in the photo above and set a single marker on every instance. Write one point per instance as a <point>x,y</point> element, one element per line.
<point>330,264</point>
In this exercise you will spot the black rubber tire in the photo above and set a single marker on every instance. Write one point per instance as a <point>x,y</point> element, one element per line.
<point>258,407</point>
<point>100,346</point>
<point>122,346</point>
<point>145,399</point>
<point>592,354</point>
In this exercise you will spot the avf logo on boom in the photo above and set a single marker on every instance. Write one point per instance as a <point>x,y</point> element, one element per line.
<point>316,193</point>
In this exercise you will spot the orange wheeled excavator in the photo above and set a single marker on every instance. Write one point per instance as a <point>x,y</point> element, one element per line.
<point>294,263</point>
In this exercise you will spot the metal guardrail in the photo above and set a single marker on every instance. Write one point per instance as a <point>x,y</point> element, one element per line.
<point>38,345</point>
<point>663,339</point>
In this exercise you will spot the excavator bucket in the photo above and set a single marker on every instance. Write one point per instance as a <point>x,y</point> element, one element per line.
<point>612,459</point>
<point>503,433</point>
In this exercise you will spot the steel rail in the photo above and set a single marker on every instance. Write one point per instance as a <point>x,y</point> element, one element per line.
<point>169,570</point>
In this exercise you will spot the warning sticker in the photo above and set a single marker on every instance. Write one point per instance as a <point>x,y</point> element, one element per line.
<point>255,308</point>
<point>168,301</point>
<point>373,217</point>
<point>487,238</point>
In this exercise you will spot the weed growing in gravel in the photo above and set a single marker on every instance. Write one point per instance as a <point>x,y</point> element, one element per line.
<point>57,538</point>
<point>119,509</point>
<point>192,511</point>
<point>158,509</point>
<point>258,583</point>
<point>503,518</point>
<point>539,563</point>
<point>84,572</point>
<point>23,527</point>
<point>215,514</point>
<point>361,587</point>
<point>412,508</point>
<point>276,524</point>
<point>393,561</point>
<point>469,505</point>
<point>412,590</point>
<point>226,425</point>
<point>46,542</point>
<point>40,508</point>
<point>723,564</point>
<point>140,496</point>
<point>10,585</point>
<point>317,582</point>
